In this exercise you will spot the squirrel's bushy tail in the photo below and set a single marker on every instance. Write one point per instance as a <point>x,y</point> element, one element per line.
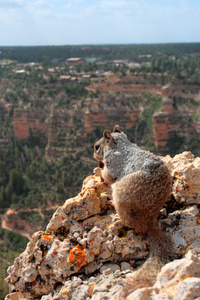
<point>160,245</point>
<point>161,252</point>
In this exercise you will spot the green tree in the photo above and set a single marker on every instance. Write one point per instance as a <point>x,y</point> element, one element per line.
<point>63,178</point>
<point>16,182</point>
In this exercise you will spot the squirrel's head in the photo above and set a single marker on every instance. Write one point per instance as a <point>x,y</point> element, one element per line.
<point>106,140</point>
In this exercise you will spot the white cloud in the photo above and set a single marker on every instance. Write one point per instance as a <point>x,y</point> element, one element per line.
<point>11,4</point>
<point>99,21</point>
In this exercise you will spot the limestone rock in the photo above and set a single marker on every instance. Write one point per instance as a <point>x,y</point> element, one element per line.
<point>86,253</point>
<point>179,279</point>
<point>109,268</point>
<point>186,172</point>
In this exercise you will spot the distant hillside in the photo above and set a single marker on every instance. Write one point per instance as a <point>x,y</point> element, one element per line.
<point>48,54</point>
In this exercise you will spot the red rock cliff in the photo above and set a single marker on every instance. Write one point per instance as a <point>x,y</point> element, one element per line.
<point>24,120</point>
<point>171,122</point>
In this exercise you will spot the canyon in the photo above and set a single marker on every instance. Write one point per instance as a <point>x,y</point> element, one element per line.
<point>172,123</point>
<point>50,117</point>
<point>177,117</point>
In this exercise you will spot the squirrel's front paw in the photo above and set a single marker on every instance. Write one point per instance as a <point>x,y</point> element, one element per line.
<point>97,172</point>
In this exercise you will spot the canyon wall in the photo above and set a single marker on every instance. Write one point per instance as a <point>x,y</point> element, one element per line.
<point>173,123</point>
<point>107,119</point>
<point>26,120</point>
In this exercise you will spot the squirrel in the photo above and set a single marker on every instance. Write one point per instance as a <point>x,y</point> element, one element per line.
<point>141,183</point>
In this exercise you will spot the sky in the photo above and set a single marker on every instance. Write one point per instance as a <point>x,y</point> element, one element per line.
<point>78,22</point>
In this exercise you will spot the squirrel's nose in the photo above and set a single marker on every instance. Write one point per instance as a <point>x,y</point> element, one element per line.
<point>96,147</point>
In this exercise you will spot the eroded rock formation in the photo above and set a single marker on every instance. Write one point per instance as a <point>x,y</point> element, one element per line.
<point>173,123</point>
<point>25,120</point>
<point>94,119</point>
<point>86,253</point>
<point>176,122</point>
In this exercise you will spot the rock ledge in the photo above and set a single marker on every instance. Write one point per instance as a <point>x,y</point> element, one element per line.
<point>86,253</point>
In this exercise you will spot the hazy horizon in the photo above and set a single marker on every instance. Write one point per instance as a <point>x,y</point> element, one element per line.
<point>100,22</point>
<point>102,44</point>
<point>88,45</point>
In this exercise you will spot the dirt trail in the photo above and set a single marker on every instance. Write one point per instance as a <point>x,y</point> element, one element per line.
<point>12,223</point>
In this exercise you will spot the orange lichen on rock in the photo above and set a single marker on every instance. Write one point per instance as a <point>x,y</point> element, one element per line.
<point>47,238</point>
<point>77,255</point>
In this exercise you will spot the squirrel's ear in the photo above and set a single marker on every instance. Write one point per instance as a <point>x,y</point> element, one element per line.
<point>107,134</point>
<point>116,129</point>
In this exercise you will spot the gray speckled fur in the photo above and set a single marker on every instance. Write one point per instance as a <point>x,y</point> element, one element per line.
<point>125,158</point>
<point>141,184</point>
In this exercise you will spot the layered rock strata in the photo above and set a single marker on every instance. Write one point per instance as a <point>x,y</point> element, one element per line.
<point>26,120</point>
<point>171,126</point>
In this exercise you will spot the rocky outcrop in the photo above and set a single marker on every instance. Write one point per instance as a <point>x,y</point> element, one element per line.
<point>167,123</point>
<point>172,125</point>
<point>86,253</point>
<point>108,118</point>
<point>25,120</point>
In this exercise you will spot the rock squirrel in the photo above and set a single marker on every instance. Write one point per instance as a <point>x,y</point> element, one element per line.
<point>141,184</point>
